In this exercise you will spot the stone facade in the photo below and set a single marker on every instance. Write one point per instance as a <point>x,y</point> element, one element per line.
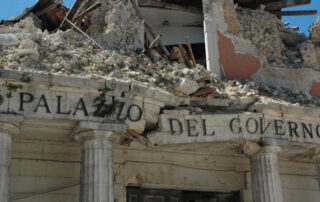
<point>54,156</point>
<point>82,124</point>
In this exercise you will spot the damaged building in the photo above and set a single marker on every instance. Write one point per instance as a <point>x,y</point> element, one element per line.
<point>159,101</point>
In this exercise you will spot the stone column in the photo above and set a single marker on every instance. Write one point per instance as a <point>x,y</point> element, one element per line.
<point>96,180</point>
<point>265,175</point>
<point>211,37</point>
<point>7,130</point>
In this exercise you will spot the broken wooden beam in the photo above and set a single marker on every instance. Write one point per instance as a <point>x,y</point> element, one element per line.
<point>203,92</point>
<point>148,26</point>
<point>185,55</point>
<point>295,28</point>
<point>285,4</point>
<point>295,13</point>
<point>91,8</point>
<point>71,13</point>
<point>286,23</point>
<point>174,53</point>
<point>82,32</point>
<point>191,52</point>
<point>154,42</point>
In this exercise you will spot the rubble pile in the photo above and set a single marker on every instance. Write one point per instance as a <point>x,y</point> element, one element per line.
<point>25,47</point>
<point>277,44</point>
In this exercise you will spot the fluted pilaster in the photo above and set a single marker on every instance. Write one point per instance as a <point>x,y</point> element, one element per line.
<point>266,186</point>
<point>96,180</point>
<point>7,130</point>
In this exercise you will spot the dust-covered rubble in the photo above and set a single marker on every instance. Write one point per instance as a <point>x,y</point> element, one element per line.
<point>24,47</point>
<point>277,45</point>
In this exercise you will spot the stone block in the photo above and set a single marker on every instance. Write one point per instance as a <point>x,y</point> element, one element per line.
<point>187,86</point>
<point>15,167</point>
<point>60,169</point>
<point>34,168</point>
<point>9,39</point>
<point>138,126</point>
<point>151,115</point>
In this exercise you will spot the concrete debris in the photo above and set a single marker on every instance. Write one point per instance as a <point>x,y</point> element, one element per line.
<point>187,86</point>
<point>9,39</point>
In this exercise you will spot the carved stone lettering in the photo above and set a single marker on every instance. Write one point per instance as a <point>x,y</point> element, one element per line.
<point>191,125</point>
<point>307,130</point>
<point>42,103</point>
<point>173,132</point>
<point>134,116</point>
<point>235,123</point>
<point>81,106</point>
<point>25,98</point>
<point>254,123</point>
<point>278,126</point>
<point>59,106</point>
<point>204,126</point>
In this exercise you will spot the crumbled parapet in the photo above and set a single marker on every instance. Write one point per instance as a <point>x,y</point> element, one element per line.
<point>315,30</point>
<point>310,54</point>
<point>262,29</point>
<point>121,28</point>
<point>230,16</point>
<point>25,47</point>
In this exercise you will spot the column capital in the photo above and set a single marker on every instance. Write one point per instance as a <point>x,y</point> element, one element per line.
<point>10,123</point>
<point>86,130</point>
<point>252,148</point>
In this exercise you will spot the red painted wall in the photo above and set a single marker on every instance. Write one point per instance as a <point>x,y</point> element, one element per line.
<point>236,66</point>
<point>315,89</point>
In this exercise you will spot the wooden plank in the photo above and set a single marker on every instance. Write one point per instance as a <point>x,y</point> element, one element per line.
<point>285,4</point>
<point>148,26</point>
<point>71,13</point>
<point>174,54</point>
<point>185,55</point>
<point>154,42</point>
<point>203,92</point>
<point>191,52</point>
<point>295,13</point>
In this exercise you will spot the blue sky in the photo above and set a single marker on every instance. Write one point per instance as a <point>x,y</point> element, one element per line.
<point>15,7</point>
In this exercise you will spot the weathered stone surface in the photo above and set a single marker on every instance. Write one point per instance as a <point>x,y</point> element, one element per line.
<point>309,55</point>
<point>272,128</point>
<point>137,127</point>
<point>292,38</point>
<point>230,16</point>
<point>151,114</point>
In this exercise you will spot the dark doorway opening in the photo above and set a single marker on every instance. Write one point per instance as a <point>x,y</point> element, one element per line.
<point>136,194</point>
